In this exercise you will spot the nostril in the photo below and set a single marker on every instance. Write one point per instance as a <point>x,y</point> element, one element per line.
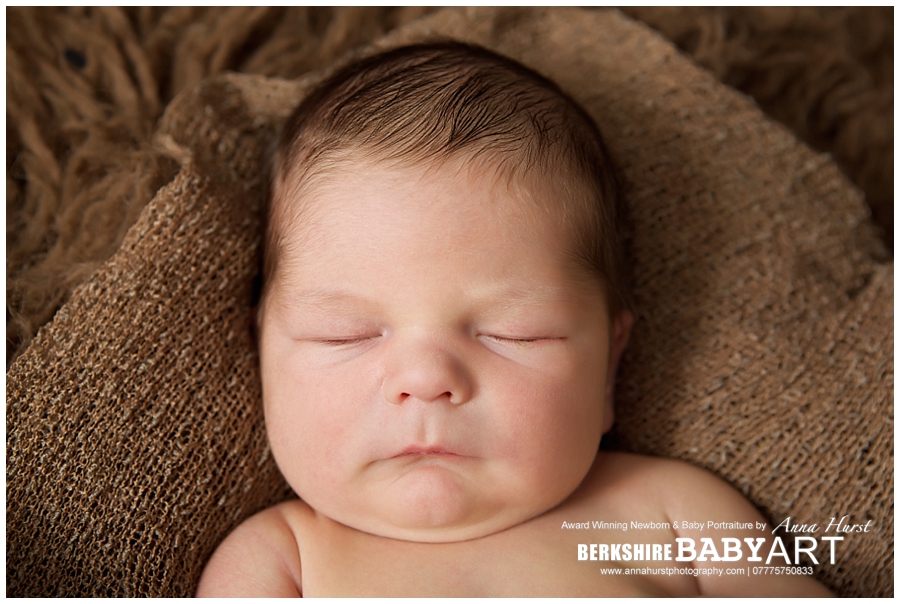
<point>447,395</point>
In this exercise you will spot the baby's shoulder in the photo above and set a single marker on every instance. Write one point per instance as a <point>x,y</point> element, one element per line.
<point>670,484</point>
<point>629,470</point>
<point>260,556</point>
<point>694,504</point>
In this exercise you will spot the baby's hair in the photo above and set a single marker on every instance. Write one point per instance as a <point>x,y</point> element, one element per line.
<point>436,101</point>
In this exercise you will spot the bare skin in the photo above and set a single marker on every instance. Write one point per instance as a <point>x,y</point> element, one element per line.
<point>535,558</point>
<point>437,374</point>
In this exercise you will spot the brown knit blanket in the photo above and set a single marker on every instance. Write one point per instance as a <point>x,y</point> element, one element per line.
<point>763,348</point>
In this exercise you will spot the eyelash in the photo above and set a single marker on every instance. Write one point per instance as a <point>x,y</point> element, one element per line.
<point>345,342</point>
<point>350,341</point>
<point>519,341</point>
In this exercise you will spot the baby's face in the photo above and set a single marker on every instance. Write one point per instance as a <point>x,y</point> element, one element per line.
<point>434,366</point>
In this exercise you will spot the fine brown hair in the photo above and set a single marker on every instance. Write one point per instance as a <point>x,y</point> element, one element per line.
<point>435,101</point>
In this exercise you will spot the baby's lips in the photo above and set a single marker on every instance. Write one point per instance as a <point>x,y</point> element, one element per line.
<point>443,449</point>
<point>437,450</point>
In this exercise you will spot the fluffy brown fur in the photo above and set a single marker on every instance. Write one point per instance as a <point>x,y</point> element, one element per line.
<point>86,86</point>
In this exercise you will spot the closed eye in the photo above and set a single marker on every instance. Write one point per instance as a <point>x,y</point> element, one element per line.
<point>344,341</point>
<point>514,340</point>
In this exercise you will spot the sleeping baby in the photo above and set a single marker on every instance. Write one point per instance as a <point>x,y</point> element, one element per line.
<point>444,307</point>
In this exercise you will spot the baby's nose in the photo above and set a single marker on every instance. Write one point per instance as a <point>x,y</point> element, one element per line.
<point>426,372</point>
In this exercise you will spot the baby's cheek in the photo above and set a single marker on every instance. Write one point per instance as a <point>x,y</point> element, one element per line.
<point>325,422</point>
<point>300,425</point>
<point>551,425</point>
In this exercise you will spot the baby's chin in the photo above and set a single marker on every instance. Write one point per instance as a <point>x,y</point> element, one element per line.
<point>430,505</point>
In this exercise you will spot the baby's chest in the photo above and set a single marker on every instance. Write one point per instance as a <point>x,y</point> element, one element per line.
<point>518,563</point>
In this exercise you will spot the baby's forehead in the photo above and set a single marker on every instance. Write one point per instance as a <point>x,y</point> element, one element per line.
<point>307,190</point>
<point>474,213</point>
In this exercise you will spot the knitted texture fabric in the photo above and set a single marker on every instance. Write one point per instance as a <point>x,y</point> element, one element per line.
<point>763,348</point>
<point>826,73</point>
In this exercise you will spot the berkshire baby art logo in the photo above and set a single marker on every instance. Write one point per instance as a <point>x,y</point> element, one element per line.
<point>811,544</point>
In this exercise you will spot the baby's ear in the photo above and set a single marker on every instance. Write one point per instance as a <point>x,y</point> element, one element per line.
<point>621,328</point>
<point>621,332</point>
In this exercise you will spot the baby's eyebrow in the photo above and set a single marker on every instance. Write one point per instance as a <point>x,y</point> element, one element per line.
<point>497,298</point>
<point>518,296</point>
<point>324,299</point>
